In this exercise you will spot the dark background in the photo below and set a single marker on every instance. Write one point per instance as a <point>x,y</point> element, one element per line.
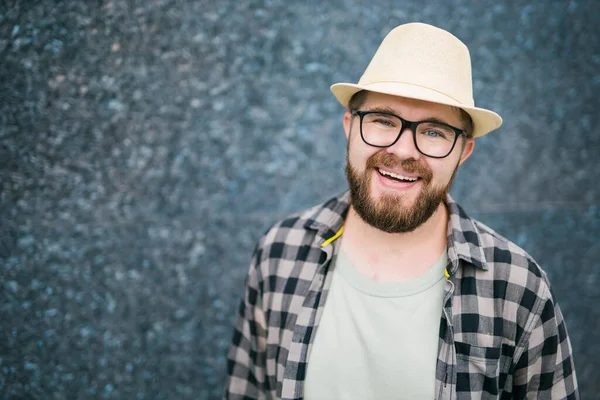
<point>146,145</point>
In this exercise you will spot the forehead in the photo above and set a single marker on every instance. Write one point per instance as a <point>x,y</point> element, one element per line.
<point>411,109</point>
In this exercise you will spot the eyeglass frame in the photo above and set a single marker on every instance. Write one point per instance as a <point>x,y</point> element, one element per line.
<point>412,125</point>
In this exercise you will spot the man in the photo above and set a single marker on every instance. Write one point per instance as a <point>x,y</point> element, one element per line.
<point>391,291</point>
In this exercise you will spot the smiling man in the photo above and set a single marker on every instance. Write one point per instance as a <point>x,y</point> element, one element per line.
<point>391,291</point>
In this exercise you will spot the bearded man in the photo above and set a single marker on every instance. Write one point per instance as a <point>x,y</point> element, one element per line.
<point>391,291</point>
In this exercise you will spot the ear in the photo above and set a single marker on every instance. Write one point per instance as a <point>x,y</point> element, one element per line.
<point>468,148</point>
<point>347,123</point>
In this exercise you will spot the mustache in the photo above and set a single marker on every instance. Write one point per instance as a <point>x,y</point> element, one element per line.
<point>388,160</point>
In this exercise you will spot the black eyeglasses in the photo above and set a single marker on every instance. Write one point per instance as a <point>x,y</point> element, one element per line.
<point>432,138</point>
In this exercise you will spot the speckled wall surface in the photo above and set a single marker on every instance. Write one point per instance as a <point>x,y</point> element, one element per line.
<point>146,145</point>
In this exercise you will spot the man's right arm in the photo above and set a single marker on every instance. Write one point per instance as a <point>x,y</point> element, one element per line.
<point>246,375</point>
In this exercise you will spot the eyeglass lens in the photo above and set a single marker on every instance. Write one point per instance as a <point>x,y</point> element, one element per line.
<point>431,138</point>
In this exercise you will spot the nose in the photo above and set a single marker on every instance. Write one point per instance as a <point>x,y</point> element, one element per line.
<point>405,148</point>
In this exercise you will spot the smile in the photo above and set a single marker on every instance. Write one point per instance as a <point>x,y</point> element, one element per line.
<point>397,177</point>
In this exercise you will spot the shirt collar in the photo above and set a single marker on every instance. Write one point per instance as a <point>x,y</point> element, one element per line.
<point>464,239</point>
<point>327,219</point>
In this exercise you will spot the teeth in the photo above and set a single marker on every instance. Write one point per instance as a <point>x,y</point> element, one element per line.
<point>404,178</point>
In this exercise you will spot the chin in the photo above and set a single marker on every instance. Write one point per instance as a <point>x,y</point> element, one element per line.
<point>387,199</point>
<point>379,194</point>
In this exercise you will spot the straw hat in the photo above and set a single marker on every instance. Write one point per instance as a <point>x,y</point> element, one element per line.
<point>423,62</point>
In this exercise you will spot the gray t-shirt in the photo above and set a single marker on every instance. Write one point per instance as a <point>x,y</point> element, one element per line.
<point>377,340</point>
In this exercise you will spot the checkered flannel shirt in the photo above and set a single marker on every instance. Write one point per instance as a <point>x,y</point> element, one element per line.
<point>502,334</point>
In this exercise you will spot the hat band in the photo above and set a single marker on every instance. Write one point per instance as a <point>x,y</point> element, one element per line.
<point>411,84</point>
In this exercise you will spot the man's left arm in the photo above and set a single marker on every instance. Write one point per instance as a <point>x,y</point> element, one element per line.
<point>545,369</point>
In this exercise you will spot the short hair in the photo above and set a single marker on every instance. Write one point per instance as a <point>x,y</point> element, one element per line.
<point>359,98</point>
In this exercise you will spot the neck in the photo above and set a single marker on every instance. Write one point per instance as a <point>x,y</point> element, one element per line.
<point>430,236</point>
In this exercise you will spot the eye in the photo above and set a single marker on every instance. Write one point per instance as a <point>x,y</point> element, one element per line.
<point>435,131</point>
<point>384,122</point>
<point>432,133</point>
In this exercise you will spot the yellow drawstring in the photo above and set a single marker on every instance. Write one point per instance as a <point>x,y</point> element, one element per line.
<point>331,239</point>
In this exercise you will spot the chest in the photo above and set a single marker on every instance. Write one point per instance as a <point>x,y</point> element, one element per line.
<point>371,346</point>
<point>473,347</point>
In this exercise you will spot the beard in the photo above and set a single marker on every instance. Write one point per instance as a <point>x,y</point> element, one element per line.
<point>390,213</point>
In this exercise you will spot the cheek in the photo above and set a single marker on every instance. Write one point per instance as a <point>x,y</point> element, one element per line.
<point>359,153</point>
<point>442,172</point>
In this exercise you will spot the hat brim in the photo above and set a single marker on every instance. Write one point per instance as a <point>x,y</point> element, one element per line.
<point>484,121</point>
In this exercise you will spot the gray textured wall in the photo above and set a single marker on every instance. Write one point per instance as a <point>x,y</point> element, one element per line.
<point>146,145</point>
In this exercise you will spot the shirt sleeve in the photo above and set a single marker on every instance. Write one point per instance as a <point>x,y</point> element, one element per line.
<point>546,370</point>
<point>247,352</point>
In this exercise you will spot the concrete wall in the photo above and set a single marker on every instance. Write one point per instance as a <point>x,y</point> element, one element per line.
<point>146,145</point>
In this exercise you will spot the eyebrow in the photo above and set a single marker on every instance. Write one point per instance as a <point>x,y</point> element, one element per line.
<point>392,111</point>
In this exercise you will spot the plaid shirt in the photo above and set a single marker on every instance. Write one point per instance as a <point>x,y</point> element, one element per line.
<point>502,334</point>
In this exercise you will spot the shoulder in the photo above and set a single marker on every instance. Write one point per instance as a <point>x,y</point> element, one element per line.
<point>292,230</point>
<point>498,278</point>
<point>495,261</point>
<point>515,272</point>
<point>297,238</point>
